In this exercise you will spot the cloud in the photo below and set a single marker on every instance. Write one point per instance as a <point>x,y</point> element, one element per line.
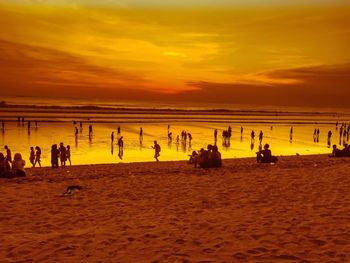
<point>319,86</point>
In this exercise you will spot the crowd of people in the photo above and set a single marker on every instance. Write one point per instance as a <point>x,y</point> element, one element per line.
<point>61,154</point>
<point>204,158</point>
<point>209,158</point>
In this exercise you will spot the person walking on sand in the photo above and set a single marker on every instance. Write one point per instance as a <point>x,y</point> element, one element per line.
<point>54,156</point>
<point>68,154</point>
<point>8,154</point>
<point>157,150</point>
<point>37,156</point>
<point>32,156</point>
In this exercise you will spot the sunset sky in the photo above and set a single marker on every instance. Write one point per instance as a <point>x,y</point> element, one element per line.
<point>269,52</point>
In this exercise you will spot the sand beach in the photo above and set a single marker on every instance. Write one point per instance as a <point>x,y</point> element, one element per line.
<point>295,211</point>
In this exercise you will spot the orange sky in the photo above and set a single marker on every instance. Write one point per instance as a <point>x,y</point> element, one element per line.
<point>277,54</point>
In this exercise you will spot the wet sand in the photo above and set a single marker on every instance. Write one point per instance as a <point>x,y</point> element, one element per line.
<point>295,211</point>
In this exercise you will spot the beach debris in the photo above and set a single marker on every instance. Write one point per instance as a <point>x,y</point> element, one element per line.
<point>71,190</point>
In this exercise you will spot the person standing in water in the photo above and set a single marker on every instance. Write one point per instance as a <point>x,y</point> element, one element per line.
<point>32,156</point>
<point>141,134</point>
<point>157,150</point>
<point>329,139</point>
<point>119,130</point>
<point>121,144</point>
<point>37,156</point>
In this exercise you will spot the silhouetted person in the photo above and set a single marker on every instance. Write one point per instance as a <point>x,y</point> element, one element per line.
<point>121,144</point>
<point>32,156</point>
<point>18,166</point>
<point>318,135</point>
<point>241,130</point>
<point>170,136</point>
<point>4,167</point>
<point>252,136</point>
<point>68,154</point>
<point>37,156</point>
<point>141,134</point>
<point>112,137</point>
<point>8,154</point>
<point>215,157</point>
<point>261,136</point>
<point>63,154</point>
<point>189,138</point>
<point>193,158</point>
<point>54,156</point>
<point>265,156</point>
<point>119,130</point>
<point>291,134</point>
<point>329,138</point>
<point>215,135</point>
<point>315,135</point>
<point>76,132</point>
<point>90,130</point>
<point>336,152</point>
<point>157,150</point>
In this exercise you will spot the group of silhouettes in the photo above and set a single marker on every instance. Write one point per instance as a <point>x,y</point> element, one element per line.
<point>209,158</point>
<point>61,154</point>
<point>10,168</point>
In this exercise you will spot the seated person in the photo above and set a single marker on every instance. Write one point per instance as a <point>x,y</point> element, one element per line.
<point>336,152</point>
<point>215,157</point>
<point>18,166</point>
<point>346,151</point>
<point>4,166</point>
<point>265,156</point>
<point>193,158</point>
<point>203,159</point>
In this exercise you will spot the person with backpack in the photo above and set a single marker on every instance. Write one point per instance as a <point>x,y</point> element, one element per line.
<point>157,150</point>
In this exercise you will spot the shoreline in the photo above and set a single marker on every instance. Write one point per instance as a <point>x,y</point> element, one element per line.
<point>224,160</point>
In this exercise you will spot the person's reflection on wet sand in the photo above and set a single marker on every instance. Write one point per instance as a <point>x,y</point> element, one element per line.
<point>252,145</point>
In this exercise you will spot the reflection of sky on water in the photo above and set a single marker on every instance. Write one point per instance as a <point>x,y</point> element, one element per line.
<point>98,149</point>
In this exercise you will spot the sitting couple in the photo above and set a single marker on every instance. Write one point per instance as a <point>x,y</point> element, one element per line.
<point>345,152</point>
<point>206,158</point>
<point>17,166</point>
<point>265,156</point>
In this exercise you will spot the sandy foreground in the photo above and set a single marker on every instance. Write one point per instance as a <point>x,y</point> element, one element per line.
<point>295,211</point>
